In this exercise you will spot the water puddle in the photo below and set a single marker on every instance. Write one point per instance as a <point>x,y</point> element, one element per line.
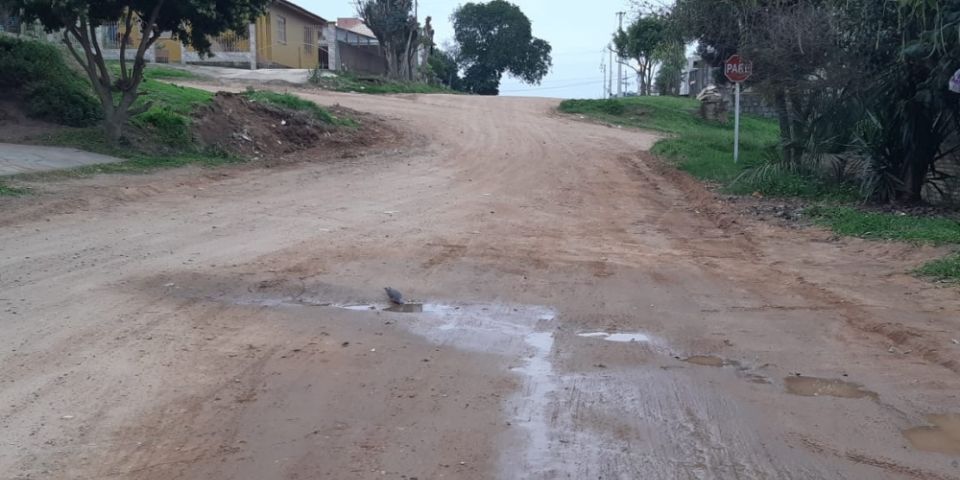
<point>531,404</point>
<point>618,337</point>
<point>405,308</point>
<point>818,387</point>
<point>942,437</point>
<point>706,361</point>
<point>410,307</point>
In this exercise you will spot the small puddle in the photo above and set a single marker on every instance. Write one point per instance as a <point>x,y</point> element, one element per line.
<point>817,387</point>
<point>942,437</point>
<point>406,308</point>
<point>617,337</point>
<point>706,361</point>
<point>394,308</point>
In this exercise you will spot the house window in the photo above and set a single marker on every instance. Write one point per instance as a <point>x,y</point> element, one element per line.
<point>282,30</point>
<point>309,38</point>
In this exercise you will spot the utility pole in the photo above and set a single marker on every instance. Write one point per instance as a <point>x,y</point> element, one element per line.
<point>603,71</point>
<point>610,77</point>
<point>620,60</point>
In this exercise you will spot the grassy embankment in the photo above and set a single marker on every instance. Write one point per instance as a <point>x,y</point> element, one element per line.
<point>52,90</point>
<point>704,149</point>
<point>345,82</point>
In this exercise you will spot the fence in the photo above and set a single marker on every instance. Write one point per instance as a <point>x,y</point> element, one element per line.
<point>11,25</point>
<point>111,36</point>
<point>230,42</point>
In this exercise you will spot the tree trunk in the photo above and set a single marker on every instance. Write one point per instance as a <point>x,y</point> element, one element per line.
<point>783,116</point>
<point>113,126</point>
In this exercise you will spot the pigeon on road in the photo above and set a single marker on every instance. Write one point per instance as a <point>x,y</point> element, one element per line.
<point>395,296</point>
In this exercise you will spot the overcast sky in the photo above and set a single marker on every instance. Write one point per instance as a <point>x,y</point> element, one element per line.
<point>577,30</point>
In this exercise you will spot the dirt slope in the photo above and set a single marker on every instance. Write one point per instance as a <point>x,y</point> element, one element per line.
<point>190,325</point>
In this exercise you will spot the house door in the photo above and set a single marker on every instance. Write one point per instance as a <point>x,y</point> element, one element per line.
<point>324,60</point>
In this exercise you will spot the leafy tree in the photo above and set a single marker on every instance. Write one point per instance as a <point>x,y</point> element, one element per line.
<point>398,32</point>
<point>859,85</point>
<point>640,42</point>
<point>711,25</point>
<point>444,69</point>
<point>190,21</point>
<point>672,59</point>
<point>495,38</point>
<point>908,120</point>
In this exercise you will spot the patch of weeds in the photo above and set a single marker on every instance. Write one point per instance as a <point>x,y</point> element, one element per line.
<point>157,72</point>
<point>945,269</point>
<point>154,71</point>
<point>700,147</point>
<point>345,82</point>
<point>177,99</point>
<point>166,125</point>
<point>293,102</point>
<point>36,73</point>
<point>8,191</point>
<point>887,226</point>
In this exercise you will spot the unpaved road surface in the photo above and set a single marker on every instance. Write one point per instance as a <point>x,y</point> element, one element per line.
<point>588,315</point>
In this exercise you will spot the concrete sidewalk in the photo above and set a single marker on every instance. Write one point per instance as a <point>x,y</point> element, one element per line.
<point>16,159</point>
<point>296,76</point>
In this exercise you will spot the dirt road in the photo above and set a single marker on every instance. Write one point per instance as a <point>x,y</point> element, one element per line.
<point>587,314</point>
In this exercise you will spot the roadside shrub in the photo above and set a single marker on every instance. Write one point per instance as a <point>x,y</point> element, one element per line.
<point>945,269</point>
<point>608,106</point>
<point>293,102</point>
<point>59,102</point>
<point>168,125</point>
<point>50,90</point>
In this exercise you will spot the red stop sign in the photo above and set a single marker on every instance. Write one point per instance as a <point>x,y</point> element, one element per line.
<point>737,69</point>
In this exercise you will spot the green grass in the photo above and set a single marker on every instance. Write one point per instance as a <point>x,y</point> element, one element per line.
<point>171,107</point>
<point>945,269</point>
<point>293,102</point>
<point>705,150</point>
<point>702,148</point>
<point>177,99</point>
<point>8,191</point>
<point>168,118</point>
<point>850,221</point>
<point>373,85</point>
<point>154,72</point>
<point>36,74</point>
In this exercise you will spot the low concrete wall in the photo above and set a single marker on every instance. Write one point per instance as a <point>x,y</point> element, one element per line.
<point>131,52</point>
<point>755,104</point>
<point>364,59</point>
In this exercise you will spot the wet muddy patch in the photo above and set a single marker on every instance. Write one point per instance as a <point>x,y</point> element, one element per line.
<point>618,337</point>
<point>825,387</point>
<point>943,436</point>
<point>402,308</point>
<point>707,361</point>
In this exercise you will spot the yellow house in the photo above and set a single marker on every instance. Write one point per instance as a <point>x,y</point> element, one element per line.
<point>286,36</point>
<point>289,36</point>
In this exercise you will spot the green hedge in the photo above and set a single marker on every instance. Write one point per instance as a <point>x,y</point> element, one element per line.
<point>50,89</point>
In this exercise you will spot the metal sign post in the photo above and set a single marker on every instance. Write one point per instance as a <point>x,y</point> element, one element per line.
<point>737,71</point>
<point>736,127</point>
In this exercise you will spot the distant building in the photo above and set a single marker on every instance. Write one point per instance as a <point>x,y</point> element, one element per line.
<point>350,46</point>
<point>697,76</point>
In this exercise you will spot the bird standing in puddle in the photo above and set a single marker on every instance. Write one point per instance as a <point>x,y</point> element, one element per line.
<point>395,296</point>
